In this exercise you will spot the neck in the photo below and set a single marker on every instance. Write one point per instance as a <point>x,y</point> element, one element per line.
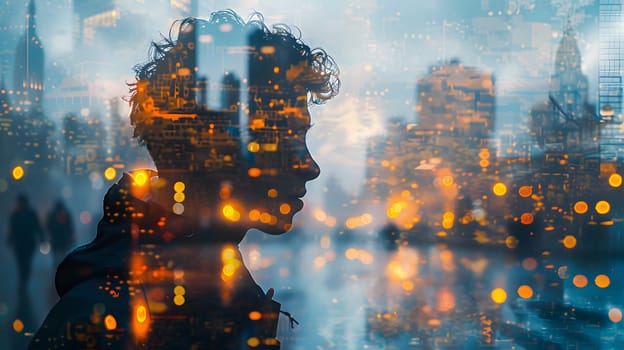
<point>199,203</point>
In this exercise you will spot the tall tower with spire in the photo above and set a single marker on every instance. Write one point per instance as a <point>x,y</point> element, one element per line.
<point>568,85</point>
<point>566,119</point>
<point>29,67</point>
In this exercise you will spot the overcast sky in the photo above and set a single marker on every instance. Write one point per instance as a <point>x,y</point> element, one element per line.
<point>382,48</point>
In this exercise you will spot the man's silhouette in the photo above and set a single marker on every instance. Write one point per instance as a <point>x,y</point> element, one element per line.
<point>61,230</point>
<point>222,109</point>
<point>24,236</point>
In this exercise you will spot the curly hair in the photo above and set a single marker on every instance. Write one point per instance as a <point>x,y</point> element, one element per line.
<point>320,80</point>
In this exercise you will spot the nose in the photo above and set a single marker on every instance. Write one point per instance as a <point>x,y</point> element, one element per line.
<point>310,169</point>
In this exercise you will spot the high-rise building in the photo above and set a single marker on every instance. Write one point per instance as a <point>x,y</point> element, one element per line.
<point>611,28</point>
<point>568,84</point>
<point>566,122</point>
<point>84,150</point>
<point>457,99</point>
<point>29,67</point>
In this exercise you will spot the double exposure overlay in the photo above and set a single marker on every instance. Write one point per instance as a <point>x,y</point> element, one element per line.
<point>461,165</point>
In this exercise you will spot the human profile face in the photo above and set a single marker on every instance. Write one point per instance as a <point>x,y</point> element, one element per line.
<point>277,163</point>
<point>236,122</point>
<point>279,168</point>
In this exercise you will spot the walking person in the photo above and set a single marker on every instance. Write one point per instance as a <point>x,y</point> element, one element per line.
<point>61,230</point>
<point>25,234</point>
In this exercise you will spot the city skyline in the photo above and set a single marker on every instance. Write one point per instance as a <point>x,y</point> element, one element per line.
<point>471,165</point>
<point>365,60</point>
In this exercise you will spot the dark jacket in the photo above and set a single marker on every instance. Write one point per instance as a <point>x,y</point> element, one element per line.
<point>61,229</point>
<point>145,281</point>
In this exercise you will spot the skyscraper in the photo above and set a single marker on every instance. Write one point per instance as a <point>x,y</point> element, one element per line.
<point>29,67</point>
<point>457,99</point>
<point>565,124</point>
<point>568,84</point>
<point>611,62</point>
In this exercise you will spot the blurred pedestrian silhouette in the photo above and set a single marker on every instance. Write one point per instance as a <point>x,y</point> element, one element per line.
<point>61,231</point>
<point>164,271</point>
<point>25,234</point>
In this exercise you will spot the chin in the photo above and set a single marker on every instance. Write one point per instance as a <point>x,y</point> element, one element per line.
<point>282,226</point>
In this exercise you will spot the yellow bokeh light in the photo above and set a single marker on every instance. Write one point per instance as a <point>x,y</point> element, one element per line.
<point>484,163</point>
<point>265,218</point>
<point>253,342</point>
<point>447,181</point>
<point>511,242</point>
<point>254,172</point>
<point>447,224</point>
<point>615,315</point>
<point>525,191</point>
<point>434,322</point>
<point>272,193</point>
<point>581,207</point>
<point>484,153</point>
<point>395,209</point>
<point>229,269</point>
<point>255,315</point>
<point>407,285</point>
<point>525,292</point>
<point>569,241</point>
<point>141,314</point>
<point>602,281</point>
<point>254,215</point>
<point>179,186</point>
<point>179,197</point>
<point>110,173</point>
<point>615,180</point>
<point>18,325</point>
<point>179,290</point>
<point>602,207</point>
<point>350,223</point>
<point>284,208</point>
<point>320,215</point>
<point>230,213</point>
<point>179,300</point>
<point>579,281</point>
<point>110,322</point>
<point>228,254</point>
<point>448,219</point>
<point>253,147</point>
<point>18,172</point>
<point>398,271</point>
<point>498,295</point>
<point>499,189</point>
<point>140,178</point>
<point>351,253</point>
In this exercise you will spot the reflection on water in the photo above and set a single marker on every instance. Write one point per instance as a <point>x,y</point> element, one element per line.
<point>360,295</point>
<point>354,295</point>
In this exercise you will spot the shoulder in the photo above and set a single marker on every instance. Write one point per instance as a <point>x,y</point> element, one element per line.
<point>87,316</point>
